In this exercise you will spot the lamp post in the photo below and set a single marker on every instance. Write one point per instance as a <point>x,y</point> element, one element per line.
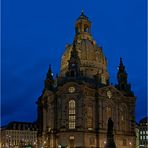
<point>34,143</point>
<point>49,131</point>
<point>8,140</point>
<point>44,143</point>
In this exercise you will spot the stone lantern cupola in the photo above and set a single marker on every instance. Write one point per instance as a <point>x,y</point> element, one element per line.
<point>83,25</point>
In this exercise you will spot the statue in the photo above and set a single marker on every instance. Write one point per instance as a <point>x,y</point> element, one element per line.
<point>110,127</point>
<point>110,136</point>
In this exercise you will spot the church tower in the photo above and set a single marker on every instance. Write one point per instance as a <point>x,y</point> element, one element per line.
<point>122,76</point>
<point>74,108</point>
<point>122,79</point>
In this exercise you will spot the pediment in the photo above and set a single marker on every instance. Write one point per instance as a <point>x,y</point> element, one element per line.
<point>109,91</point>
<point>69,87</point>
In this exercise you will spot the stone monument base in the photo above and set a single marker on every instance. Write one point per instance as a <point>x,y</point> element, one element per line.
<point>110,143</point>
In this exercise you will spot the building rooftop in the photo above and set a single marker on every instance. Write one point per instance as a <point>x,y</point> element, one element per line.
<point>15,125</point>
<point>144,120</point>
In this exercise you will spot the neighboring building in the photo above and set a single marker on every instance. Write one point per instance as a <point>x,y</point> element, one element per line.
<point>137,135</point>
<point>19,134</point>
<point>74,108</point>
<point>143,132</point>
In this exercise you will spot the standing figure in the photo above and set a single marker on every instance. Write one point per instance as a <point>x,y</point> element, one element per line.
<point>110,127</point>
<point>110,136</point>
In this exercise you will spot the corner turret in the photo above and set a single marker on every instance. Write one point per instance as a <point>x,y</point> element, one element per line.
<point>49,81</point>
<point>74,63</point>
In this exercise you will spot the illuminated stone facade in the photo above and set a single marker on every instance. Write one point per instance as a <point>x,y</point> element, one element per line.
<point>19,134</point>
<point>74,108</point>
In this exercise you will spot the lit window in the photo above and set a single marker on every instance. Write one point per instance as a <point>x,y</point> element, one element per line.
<point>92,140</point>
<point>71,137</point>
<point>89,117</point>
<point>140,132</point>
<point>122,118</point>
<point>71,114</point>
<point>109,112</point>
<point>144,137</point>
<point>140,137</point>
<point>146,132</point>
<point>71,140</point>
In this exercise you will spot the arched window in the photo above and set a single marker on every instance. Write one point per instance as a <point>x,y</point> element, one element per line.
<point>72,117</point>
<point>103,81</point>
<point>107,113</point>
<point>122,119</point>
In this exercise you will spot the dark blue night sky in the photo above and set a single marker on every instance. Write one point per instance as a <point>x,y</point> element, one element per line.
<point>34,35</point>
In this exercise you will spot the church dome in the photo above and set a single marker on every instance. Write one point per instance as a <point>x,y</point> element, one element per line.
<point>87,50</point>
<point>92,59</point>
